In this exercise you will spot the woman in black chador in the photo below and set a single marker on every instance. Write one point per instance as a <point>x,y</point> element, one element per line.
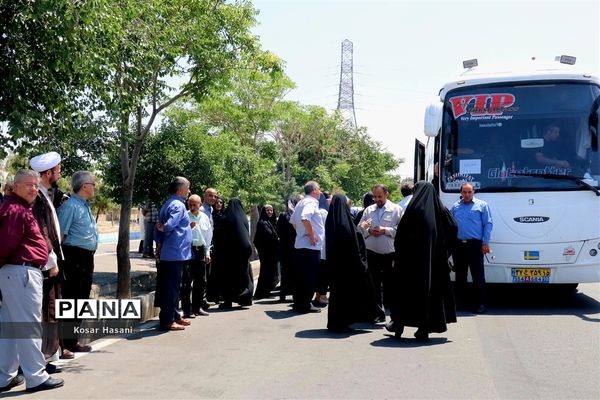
<point>232,240</point>
<point>352,295</point>
<point>287,238</point>
<point>423,295</point>
<point>266,241</point>
<point>213,279</point>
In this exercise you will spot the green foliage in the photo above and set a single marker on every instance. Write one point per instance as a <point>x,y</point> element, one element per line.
<point>219,161</point>
<point>316,145</point>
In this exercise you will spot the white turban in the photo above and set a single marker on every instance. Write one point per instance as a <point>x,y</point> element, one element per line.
<point>44,162</point>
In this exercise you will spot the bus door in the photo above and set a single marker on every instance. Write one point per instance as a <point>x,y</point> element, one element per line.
<point>419,168</point>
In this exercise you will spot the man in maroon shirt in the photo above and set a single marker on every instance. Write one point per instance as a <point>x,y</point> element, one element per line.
<point>23,252</point>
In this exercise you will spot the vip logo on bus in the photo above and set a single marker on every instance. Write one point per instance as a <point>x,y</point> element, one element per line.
<point>483,104</point>
<point>98,309</point>
<point>534,219</point>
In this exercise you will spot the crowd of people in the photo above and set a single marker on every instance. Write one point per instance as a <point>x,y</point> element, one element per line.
<point>46,253</point>
<point>387,259</point>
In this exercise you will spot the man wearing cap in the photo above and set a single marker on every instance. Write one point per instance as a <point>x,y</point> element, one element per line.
<point>80,241</point>
<point>48,165</point>
<point>23,253</point>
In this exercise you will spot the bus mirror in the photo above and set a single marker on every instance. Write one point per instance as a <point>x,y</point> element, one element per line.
<point>433,119</point>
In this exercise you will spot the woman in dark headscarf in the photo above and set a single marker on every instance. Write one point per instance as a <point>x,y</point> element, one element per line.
<point>367,201</point>
<point>266,241</point>
<point>218,207</point>
<point>352,295</point>
<point>213,282</point>
<point>287,238</point>
<point>232,242</point>
<point>423,296</point>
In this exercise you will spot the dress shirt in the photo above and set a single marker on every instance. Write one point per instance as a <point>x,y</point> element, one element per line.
<point>22,241</point>
<point>474,220</point>
<point>207,210</point>
<point>176,237</point>
<point>77,223</point>
<point>386,217</point>
<point>308,210</point>
<point>201,233</point>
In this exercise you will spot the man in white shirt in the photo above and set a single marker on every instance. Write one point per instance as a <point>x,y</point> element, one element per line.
<point>194,273</point>
<point>378,226</point>
<point>310,232</point>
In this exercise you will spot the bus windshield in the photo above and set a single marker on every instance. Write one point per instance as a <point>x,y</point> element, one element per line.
<point>516,137</point>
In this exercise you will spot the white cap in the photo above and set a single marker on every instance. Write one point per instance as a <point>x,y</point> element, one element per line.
<point>44,162</point>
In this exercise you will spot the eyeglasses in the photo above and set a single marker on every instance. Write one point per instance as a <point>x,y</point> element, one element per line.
<point>28,185</point>
<point>90,183</point>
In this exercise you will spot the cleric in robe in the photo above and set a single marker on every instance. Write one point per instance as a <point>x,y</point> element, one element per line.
<point>423,295</point>
<point>352,295</point>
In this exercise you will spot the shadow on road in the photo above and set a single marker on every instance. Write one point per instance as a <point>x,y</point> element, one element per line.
<point>540,300</point>
<point>149,330</point>
<point>390,341</point>
<point>282,314</point>
<point>327,334</point>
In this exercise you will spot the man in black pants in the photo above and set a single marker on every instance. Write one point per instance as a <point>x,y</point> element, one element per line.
<point>378,226</point>
<point>310,232</point>
<point>195,271</point>
<point>80,241</point>
<point>474,230</point>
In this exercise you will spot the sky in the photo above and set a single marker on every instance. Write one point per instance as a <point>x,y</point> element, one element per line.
<point>405,50</point>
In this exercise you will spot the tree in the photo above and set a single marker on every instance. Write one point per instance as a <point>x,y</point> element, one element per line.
<point>314,144</point>
<point>130,53</point>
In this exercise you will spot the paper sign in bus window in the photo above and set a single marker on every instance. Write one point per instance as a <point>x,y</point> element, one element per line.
<point>470,166</point>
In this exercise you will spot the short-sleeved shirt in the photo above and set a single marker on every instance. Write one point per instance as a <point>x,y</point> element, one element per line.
<point>308,210</point>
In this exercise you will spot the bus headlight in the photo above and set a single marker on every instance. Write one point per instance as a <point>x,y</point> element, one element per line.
<point>593,252</point>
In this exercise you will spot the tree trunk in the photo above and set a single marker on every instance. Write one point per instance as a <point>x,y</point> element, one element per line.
<point>123,263</point>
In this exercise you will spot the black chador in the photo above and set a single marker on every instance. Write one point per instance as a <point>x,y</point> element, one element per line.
<point>352,295</point>
<point>233,240</point>
<point>266,241</point>
<point>423,295</point>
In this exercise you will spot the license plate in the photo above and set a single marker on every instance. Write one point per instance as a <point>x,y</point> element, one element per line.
<point>531,275</point>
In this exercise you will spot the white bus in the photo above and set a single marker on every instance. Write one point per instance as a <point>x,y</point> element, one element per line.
<point>528,142</point>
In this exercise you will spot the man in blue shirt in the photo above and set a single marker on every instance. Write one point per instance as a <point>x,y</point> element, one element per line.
<point>173,236</point>
<point>474,230</point>
<point>80,241</point>
<point>210,198</point>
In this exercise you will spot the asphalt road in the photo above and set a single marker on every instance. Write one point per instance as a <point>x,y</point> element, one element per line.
<point>531,344</point>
